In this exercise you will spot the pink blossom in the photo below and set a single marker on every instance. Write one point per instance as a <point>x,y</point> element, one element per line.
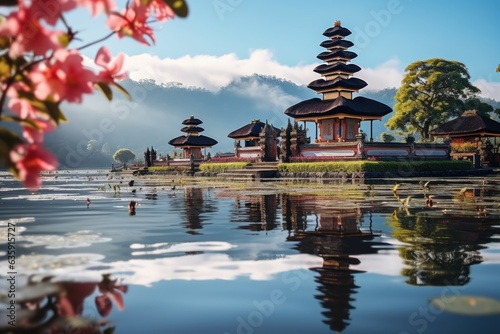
<point>22,108</point>
<point>111,67</point>
<point>30,160</point>
<point>35,134</point>
<point>161,10</point>
<point>51,10</point>
<point>28,34</point>
<point>132,22</point>
<point>63,78</point>
<point>97,6</point>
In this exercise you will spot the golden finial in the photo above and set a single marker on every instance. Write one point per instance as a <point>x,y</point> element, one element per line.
<point>337,23</point>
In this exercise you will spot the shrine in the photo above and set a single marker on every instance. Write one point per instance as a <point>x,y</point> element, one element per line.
<point>474,129</point>
<point>336,117</point>
<point>260,141</point>
<point>192,143</point>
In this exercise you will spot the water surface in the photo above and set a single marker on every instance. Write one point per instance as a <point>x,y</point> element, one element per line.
<point>254,257</point>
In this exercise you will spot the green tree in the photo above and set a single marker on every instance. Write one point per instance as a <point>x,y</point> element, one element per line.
<point>387,137</point>
<point>123,155</point>
<point>498,68</point>
<point>432,92</point>
<point>482,108</point>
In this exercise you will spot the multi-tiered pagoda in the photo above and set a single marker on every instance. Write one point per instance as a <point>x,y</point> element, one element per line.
<point>337,115</point>
<point>192,143</point>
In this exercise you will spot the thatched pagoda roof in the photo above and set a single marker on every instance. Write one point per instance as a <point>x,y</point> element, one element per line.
<point>193,141</point>
<point>359,106</point>
<point>336,42</point>
<point>469,124</point>
<point>350,84</point>
<point>337,67</point>
<point>192,121</point>
<point>252,129</point>
<point>192,129</point>
<point>337,31</point>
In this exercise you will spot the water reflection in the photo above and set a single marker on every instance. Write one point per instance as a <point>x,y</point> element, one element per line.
<point>340,233</point>
<point>440,248</point>
<point>64,306</point>
<point>255,212</point>
<point>195,204</point>
<point>336,237</point>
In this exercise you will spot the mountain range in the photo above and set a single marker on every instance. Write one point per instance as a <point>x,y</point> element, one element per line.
<point>98,127</point>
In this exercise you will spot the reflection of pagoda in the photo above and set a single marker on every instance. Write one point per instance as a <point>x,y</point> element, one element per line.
<point>338,114</point>
<point>335,277</point>
<point>196,205</point>
<point>192,142</point>
<point>258,211</point>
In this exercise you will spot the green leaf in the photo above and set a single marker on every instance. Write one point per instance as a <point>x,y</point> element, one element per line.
<point>105,90</point>
<point>51,109</point>
<point>8,2</point>
<point>8,140</point>
<point>123,91</point>
<point>179,7</point>
<point>23,121</point>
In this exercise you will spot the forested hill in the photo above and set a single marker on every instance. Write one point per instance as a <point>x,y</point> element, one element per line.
<point>97,127</point>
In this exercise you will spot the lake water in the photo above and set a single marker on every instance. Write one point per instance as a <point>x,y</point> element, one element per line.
<point>248,258</point>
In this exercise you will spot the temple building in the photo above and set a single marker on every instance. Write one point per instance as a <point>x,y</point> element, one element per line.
<point>474,129</point>
<point>336,117</point>
<point>192,143</point>
<point>468,128</point>
<point>260,141</point>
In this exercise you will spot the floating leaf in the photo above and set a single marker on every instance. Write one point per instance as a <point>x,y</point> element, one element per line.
<point>407,201</point>
<point>105,90</point>
<point>179,7</point>
<point>467,305</point>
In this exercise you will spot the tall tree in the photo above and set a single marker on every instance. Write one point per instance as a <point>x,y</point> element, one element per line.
<point>483,108</point>
<point>123,155</point>
<point>432,91</point>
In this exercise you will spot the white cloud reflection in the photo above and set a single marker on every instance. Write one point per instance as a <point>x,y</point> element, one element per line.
<point>209,264</point>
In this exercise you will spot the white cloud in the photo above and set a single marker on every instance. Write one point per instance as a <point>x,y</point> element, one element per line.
<point>213,72</point>
<point>386,75</point>
<point>266,97</point>
<point>488,89</point>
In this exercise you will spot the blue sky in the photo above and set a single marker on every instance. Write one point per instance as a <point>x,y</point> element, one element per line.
<point>222,39</point>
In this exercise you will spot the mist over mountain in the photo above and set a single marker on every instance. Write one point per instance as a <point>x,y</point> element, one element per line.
<point>98,127</point>
<point>155,114</point>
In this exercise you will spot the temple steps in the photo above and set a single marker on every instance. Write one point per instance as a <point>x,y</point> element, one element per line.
<point>254,172</point>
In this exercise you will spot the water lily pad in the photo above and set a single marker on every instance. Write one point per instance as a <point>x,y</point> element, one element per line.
<point>468,305</point>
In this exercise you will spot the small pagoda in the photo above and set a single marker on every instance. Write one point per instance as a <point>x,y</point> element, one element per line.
<point>260,141</point>
<point>192,143</point>
<point>337,115</point>
<point>469,127</point>
<point>475,129</point>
